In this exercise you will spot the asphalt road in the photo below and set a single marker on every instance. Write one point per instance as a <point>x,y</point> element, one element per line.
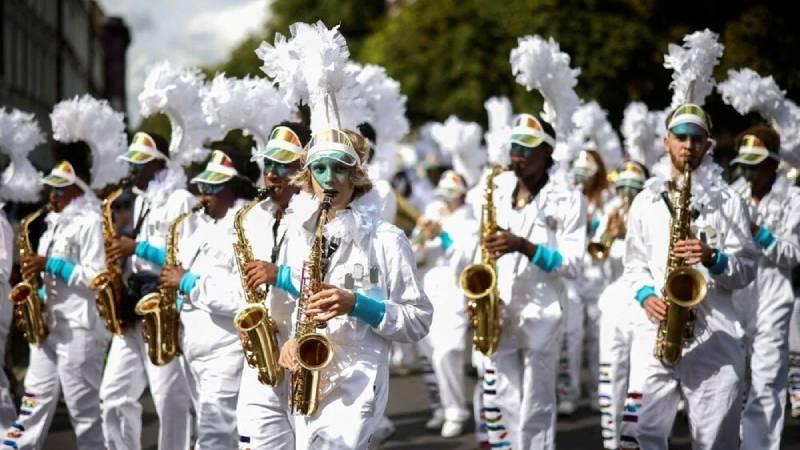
<point>409,411</point>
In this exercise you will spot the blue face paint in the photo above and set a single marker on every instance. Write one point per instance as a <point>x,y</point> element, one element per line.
<point>329,173</point>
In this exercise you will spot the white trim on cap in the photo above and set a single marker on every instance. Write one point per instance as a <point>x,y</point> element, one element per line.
<point>335,146</point>
<point>534,132</point>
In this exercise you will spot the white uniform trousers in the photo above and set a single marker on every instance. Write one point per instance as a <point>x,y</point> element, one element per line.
<point>8,412</point>
<point>794,357</point>
<point>214,381</point>
<point>766,324</point>
<point>128,372</point>
<point>615,340</point>
<point>262,414</point>
<point>526,397</point>
<point>710,388</point>
<point>348,414</point>
<point>446,348</point>
<point>71,359</point>
<point>571,355</point>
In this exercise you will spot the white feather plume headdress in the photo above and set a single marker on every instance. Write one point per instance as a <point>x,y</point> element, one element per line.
<point>19,135</point>
<point>594,132</point>
<point>693,66</point>
<point>386,109</point>
<point>540,64</point>
<point>311,67</point>
<point>250,104</point>
<point>94,122</point>
<point>640,129</point>
<point>177,93</point>
<point>462,141</point>
<point>498,136</point>
<point>746,91</point>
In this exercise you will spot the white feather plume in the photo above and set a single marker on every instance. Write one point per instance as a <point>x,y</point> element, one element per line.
<point>746,91</point>
<point>177,93</point>
<point>250,104</point>
<point>594,132</point>
<point>385,103</point>
<point>19,135</point>
<point>498,136</point>
<point>462,142</point>
<point>311,67</point>
<point>640,130</point>
<point>94,122</point>
<point>695,60</point>
<point>540,64</point>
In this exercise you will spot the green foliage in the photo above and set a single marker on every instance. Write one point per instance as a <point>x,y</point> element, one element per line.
<point>450,55</point>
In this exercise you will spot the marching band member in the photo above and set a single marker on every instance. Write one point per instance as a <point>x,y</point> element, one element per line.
<point>19,135</point>
<point>717,245</point>
<point>90,136</point>
<point>772,199</point>
<point>617,315</point>
<point>448,235</point>
<point>542,238</point>
<point>370,295</point>
<point>161,197</point>
<point>210,295</point>
<point>794,360</point>
<point>765,306</point>
<point>262,411</point>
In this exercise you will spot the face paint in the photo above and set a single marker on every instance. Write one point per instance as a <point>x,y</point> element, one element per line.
<point>329,173</point>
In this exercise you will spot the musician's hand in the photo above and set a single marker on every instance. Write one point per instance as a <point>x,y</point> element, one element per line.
<point>655,308</point>
<point>754,229</point>
<point>171,277</point>
<point>330,302</point>
<point>429,228</point>
<point>286,358</point>
<point>32,266</point>
<point>119,248</point>
<point>260,272</point>
<point>502,242</point>
<point>694,251</point>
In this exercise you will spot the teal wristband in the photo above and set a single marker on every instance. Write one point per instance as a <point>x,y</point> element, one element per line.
<point>150,253</point>
<point>546,259</point>
<point>764,238</point>
<point>644,293</point>
<point>447,241</point>
<point>283,281</point>
<point>368,309</point>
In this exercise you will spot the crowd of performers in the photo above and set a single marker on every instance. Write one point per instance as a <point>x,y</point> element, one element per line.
<point>264,300</point>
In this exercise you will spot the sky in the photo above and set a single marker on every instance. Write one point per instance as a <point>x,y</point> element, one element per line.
<point>187,32</point>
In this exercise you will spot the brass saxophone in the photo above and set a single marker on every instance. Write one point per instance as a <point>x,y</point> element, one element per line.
<point>684,288</point>
<point>599,249</point>
<point>314,351</point>
<point>479,281</point>
<point>257,329</point>
<point>28,311</point>
<point>161,316</point>
<point>108,285</point>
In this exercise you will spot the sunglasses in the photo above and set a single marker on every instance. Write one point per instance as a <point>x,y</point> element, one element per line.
<point>58,191</point>
<point>521,150</point>
<point>279,169</point>
<point>210,189</point>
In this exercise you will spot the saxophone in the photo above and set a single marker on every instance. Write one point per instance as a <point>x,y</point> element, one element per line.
<point>684,288</point>
<point>108,285</point>
<point>600,248</point>
<point>161,316</point>
<point>479,280</point>
<point>31,318</point>
<point>256,328</point>
<point>314,351</point>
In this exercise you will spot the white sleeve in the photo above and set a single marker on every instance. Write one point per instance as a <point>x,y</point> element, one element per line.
<point>636,257</point>
<point>6,250</point>
<point>571,239</point>
<point>738,246</point>
<point>785,251</point>
<point>91,253</point>
<point>408,313</point>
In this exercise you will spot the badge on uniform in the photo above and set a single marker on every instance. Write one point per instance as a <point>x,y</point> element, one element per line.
<point>551,222</point>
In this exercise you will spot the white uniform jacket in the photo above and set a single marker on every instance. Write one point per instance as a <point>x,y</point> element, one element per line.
<point>555,219</point>
<point>373,258</point>
<point>164,200</point>
<point>74,235</point>
<point>209,308</point>
<point>723,224</point>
